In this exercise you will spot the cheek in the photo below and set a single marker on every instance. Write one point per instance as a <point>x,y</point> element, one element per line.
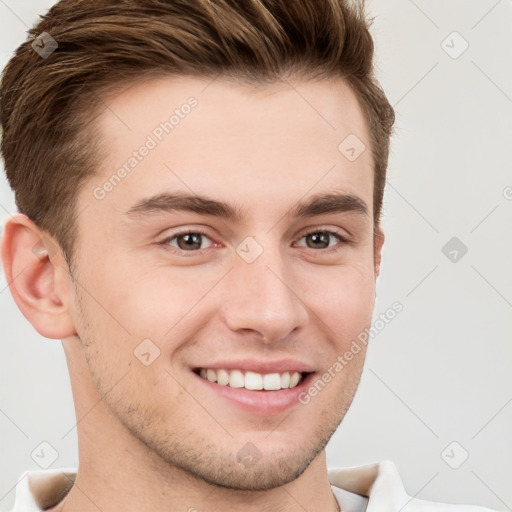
<point>124,301</point>
<point>124,364</point>
<point>343,299</point>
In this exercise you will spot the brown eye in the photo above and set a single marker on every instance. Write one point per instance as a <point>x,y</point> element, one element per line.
<point>321,239</point>
<point>318,240</point>
<point>190,241</point>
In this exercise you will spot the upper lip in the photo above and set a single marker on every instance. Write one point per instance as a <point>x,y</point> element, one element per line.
<point>259,365</point>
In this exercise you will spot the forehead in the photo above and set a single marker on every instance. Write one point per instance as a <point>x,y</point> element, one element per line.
<point>328,105</point>
<point>226,139</point>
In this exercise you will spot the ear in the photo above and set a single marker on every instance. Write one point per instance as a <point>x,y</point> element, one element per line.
<point>36,271</point>
<point>378,242</point>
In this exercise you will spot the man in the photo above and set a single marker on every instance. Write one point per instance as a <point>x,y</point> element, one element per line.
<point>200,188</point>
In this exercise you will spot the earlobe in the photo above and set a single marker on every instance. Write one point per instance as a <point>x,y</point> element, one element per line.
<point>31,260</point>
<point>378,242</point>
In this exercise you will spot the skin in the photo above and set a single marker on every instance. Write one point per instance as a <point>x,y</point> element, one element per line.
<point>150,438</point>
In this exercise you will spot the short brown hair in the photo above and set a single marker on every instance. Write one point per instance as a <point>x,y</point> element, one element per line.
<point>48,103</point>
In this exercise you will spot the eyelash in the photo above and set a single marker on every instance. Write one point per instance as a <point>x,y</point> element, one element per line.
<point>165,243</point>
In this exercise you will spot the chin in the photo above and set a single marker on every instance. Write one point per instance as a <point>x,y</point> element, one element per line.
<point>269,472</point>
<point>252,469</point>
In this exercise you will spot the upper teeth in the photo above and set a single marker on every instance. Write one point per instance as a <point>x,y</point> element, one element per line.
<point>251,380</point>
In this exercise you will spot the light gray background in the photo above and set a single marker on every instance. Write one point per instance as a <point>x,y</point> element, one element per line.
<point>441,370</point>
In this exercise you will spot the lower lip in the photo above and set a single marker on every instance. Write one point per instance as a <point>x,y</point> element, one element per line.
<point>260,401</point>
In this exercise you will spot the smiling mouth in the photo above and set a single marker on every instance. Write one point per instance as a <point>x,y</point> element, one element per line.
<point>252,380</point>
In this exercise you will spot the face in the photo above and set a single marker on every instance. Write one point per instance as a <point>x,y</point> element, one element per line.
<point>235,252</point>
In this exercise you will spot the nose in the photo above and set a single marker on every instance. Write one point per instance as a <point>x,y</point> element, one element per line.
<point>264,297</point>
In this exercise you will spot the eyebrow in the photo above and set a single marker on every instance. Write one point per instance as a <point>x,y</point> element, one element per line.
<point>318,204</point>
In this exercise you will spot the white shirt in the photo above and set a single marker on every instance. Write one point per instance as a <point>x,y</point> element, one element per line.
<point>371,488</point>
